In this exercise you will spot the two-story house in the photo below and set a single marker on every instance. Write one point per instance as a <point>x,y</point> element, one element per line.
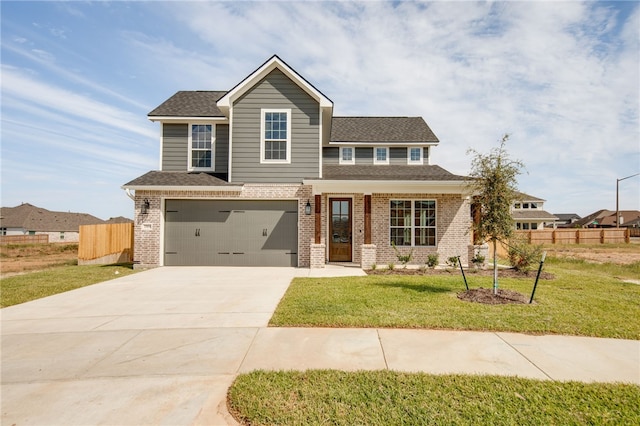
<point>265,174</point>
<point>529,214</point>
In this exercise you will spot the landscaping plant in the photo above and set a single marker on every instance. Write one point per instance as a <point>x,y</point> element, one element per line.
<point>493,183</point>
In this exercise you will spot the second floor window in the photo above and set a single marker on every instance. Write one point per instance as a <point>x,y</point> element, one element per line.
<point>381,155</point>
<point>415,156</point>
<point>201,143</point>
<point>346,155</point>
<point>276,136</point>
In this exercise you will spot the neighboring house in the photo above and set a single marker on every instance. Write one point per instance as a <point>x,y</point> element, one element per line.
<point>119,219</point>
<point>565,220</point>
<point>265,174</point>
<point>529,214</point>
<point>607,219</point>
<point>27,219</point>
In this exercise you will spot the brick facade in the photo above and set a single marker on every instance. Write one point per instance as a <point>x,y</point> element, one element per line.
<point>453,224</point>
<point>148,227</point>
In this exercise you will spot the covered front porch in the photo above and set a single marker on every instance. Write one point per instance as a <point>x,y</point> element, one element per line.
<point>362,228</point>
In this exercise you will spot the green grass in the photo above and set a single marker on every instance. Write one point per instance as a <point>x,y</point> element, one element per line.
<point>583,299</point>
<point>35,285</point>
<point>391,398</point>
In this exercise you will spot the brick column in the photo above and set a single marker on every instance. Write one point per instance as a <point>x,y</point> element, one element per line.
<point>368,256</point>
<point>318,258</point>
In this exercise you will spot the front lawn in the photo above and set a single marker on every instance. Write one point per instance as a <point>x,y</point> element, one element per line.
<point>392,398</point>
<point>35,285</point>
<point>583,299</point>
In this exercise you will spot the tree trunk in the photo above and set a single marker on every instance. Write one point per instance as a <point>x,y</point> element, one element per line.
<point>495,267</point>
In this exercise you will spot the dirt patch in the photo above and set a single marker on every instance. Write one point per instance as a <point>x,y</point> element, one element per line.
<point>19,258</point>
<point>619,254</point>
<point>486,296</point>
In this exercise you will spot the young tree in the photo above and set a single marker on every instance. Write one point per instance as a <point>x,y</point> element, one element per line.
<point>494,184</point>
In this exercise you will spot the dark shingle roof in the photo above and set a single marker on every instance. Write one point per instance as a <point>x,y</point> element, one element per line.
<point>158,178</point>
<point>390,173</point>
<point>32,218</point>
<point>381,129</point>
<point>190,104</point>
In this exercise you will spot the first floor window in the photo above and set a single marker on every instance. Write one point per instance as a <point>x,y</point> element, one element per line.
<point>525,226</point>
<point>276,136</point>
<point>412,222</point>
<point>201,143</point>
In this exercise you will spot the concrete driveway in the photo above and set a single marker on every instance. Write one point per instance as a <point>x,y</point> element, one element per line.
<point>161,347</point>
<point>157,347</point>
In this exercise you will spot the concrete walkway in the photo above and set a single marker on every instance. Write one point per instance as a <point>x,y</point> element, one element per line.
<point>163,346</point>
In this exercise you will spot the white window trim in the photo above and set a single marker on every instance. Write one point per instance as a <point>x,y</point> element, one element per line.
<point>375,155</point>
<point>213,149</point>
<point>416,162</point>
<point>263,160</point>
<point>353,155</point>
<point>413,226</point>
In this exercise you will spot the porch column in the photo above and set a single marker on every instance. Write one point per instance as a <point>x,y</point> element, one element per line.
<point>367,219</point>
<point>318,210</point>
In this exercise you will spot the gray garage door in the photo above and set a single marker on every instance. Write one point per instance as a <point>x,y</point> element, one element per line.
<point>231,233</point>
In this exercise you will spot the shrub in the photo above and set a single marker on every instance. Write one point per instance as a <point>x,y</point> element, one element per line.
<point>392,266</point>
<point>452,261</point>
<point>522,255</point>
<point>402,258</point>
<point>432,260</point>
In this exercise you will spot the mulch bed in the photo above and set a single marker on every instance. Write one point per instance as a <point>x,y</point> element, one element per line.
<point>486,296</point>
<point>502,273</point>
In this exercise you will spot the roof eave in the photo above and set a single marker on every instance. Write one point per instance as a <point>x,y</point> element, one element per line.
<point>173,118</point>
<point>383,143</point>
<point>201,188</point>
<point>387,186</point>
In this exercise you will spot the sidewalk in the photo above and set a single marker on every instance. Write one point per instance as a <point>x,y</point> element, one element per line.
<point>442,352</point>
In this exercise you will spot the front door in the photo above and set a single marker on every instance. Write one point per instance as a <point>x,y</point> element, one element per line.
<point>340,230</point>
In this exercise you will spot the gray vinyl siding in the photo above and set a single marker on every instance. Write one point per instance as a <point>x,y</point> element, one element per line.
<point>398,156</point>
<point>364,156</point>
<point>175,147</point>
<point>222,148</point>
<point>331,156</point>
<point>275,91</point>
<point>175,152</point>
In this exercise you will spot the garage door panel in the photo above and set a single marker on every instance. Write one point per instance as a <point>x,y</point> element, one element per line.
<point>231,232</point>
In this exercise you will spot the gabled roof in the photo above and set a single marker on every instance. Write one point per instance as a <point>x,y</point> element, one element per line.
<point>182,180</point>
<point>381,130</point>
<point>224,103</point>
<point>522,197</point>
<point>567,216</point>
<point>596,216</point>
<point>388,173</point>
<point>32,218</point>
<point>532,214</point>
<point>190,104</point>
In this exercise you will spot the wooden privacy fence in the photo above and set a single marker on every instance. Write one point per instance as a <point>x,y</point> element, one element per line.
<point>24,239</point>
<point>105,244</point>
<point>570,236</point>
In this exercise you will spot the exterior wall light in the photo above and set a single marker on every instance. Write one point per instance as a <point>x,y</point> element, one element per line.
<point>307,208</point>
<point>145,206</point>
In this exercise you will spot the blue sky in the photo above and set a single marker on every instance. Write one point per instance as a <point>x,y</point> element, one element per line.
<point>78,79</point>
